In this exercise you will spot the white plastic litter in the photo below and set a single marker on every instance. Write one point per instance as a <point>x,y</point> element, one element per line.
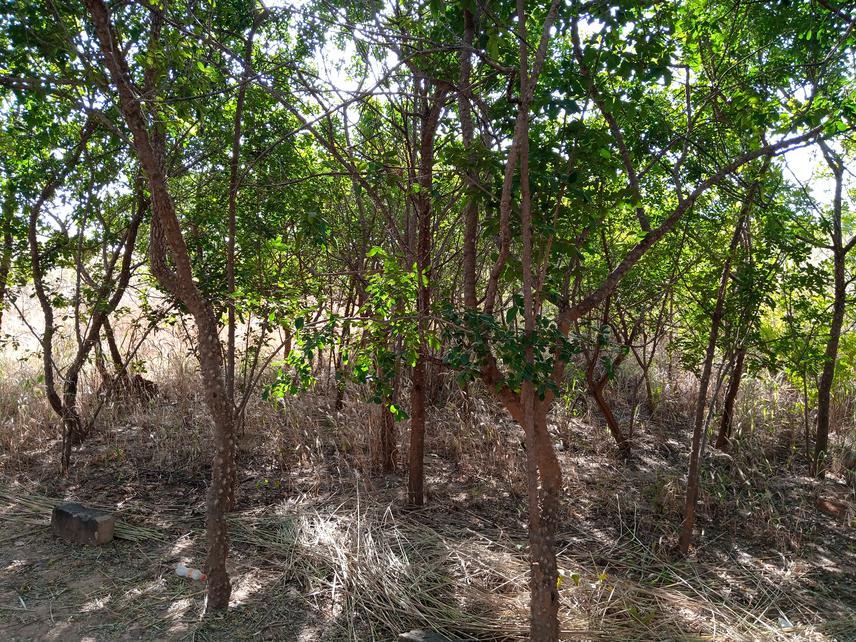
<point>185,571</point>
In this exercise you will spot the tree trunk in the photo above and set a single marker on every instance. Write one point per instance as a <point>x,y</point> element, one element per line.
<point>723,439</point>
<point>6,222</point>
<point>596,390</point>
<point>806,425</point>
<point>545,570</point>
<point>704,381</point>
<point>234,185</point>
<point>416,473</point>
<point>166,233</point>
<point>839,256</point>
<point>430,121</point>
<point>471,209</point>
<point>544,503</point>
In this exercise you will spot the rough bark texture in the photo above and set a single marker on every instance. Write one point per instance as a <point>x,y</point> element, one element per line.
<point>167,235</point>
<point>544,504</point>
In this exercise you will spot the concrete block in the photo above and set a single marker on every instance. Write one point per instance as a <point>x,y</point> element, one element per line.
<point>82,525</point>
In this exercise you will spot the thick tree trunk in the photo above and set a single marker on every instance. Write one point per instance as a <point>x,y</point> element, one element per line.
<point>166,233</point>
<point>545,573</point>
<point>724,437</point>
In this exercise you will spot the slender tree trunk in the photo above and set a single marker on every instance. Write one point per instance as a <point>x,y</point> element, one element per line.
<point>234,185</point>
<point>429,122</point>
<point>387,455</point>
<point>166,233</point>
<point>416,473</point>
<point>113,348</point>
<point>723,439</point>
<point>839,256</point>
<point>544,513</point>
<point>704,381</point>
<point>596,390</point>
<point>6,222</point>
<point>806,425</point>
<point>471,209</point>
<point>69,417</point>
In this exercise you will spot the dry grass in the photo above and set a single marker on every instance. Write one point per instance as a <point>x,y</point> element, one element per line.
<point>374,570</point>
<point>458,566</point>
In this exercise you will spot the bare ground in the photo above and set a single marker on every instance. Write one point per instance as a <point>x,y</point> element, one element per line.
<point>322,553</point>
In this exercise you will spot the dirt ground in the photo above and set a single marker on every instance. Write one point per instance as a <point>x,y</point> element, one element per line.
<point>770,564</point>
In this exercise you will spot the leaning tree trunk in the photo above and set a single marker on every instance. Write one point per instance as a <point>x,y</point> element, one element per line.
<point>166,236</point>
<point>724,438</point>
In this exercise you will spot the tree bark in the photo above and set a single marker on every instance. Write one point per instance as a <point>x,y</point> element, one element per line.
<point>724,437</point>
<point>688,524</point>
<point>430,121</point>
<point>6,222</point>
<point>545,506</point>
<point>167,234</point>
<point>839,302</point>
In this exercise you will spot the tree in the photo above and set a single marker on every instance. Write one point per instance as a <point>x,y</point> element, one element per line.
<point>840,248</point>
<point>167,240</point>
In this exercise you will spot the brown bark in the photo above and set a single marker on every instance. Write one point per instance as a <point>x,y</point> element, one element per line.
<point>688,524</point>
<point>71,423</point>
<point>544,504</point>
<point>429,123</point>
<point>839,257</point>
<point>167,234</point>
<point>113,348</point>
<point>7,218</point>
<point>724,437</point>
<point>596,388</point>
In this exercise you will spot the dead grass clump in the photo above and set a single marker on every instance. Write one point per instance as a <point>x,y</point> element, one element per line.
<point>380,574</point>
<point>26,421</point>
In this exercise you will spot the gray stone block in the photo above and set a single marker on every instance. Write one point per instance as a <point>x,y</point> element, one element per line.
<point>421,635</point>
<point>82,525</point>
